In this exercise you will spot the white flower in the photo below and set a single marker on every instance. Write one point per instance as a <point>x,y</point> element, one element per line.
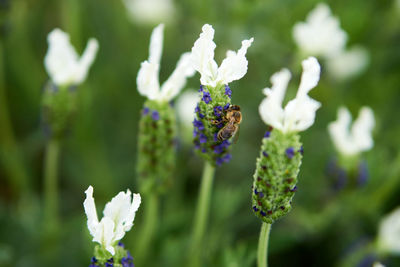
<point>185,106</point>
<point>150,11</point>
<point>118,216</point>
<point>147,79</point>
<point>359,138</point>
<point>321,34</point>
<point>378,264</point>
<point>348,63</point>
<point>233,67</point>
<point>299,113</point>
<point>63,63</point>
<point>389,233</point>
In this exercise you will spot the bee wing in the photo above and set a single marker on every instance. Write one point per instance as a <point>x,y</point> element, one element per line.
<point>236,134</point>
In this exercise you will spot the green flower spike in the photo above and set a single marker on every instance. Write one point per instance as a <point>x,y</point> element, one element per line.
<point>279,162</point>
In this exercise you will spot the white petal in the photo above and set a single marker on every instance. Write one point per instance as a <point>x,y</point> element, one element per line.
<point>300,113</point>
<point>270,109</point>
<point>310,76</point>
<point>150,11</point>
<point>61,58</point>
<point>86,60</point>
<point>185,105</point>
<point>147,80</point>
<point>339,132</point>
<point>177,80</point>
<point>348,63</point>
<point>156,44</point>
<point>128,223</point>
<point>362,129</point>
<point>105,234</point>
<point>118,208</point>
<point>389,233</point>
<point>202,55</point>
<point>90,210</point>
<point>321,34</point>
<point>234,66</point>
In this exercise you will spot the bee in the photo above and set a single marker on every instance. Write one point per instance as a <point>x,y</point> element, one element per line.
<point>233,118</point>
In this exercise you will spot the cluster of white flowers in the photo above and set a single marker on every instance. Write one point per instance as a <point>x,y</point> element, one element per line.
<point>322,36</point>
<point>147,79</point>
<point>299,113</point>
<point>63,63</point>
<point>359,138</point>
<point>118,216</point>
<point>150,11</point>
<point>232,68</point>
<point>389,233</point>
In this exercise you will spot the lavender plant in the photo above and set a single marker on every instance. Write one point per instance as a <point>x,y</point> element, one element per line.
<point>157,130</point>
<point>211,116</point>
<point>118,218</point>
<point>66,71</point>
<point>281,152</point>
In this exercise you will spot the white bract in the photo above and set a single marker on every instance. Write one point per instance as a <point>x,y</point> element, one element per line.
<point>348,63</point>
<point>150,11</point>
<point>389,233</point>
<point>63,64</point>
<point>185,105</point>
<point>299,113</point>
<point>147,79</point>
<point>321,34</point>
<point>359,138</point>
<point>118,216</point>
<point>232,68</point>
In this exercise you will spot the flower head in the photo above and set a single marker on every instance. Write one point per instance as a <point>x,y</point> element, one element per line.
<point>147,79</point>
<point>348,63</point>
<point>63,63</point>
<point>389,233</point>
<point>232,68</point>
<point>359,138</point>
<point>299,113</point>
<point>321,34</point>
<point>118,216</point>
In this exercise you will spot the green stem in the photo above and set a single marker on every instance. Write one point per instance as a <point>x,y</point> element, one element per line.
<point>262,253</point>
<point>149,223</point>
<point>201,216</point>
<point>50,184</point>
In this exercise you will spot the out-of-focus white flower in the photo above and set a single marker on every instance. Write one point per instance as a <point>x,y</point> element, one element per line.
<point>299,113</point>
<point>118,216</point>
<point>63,64</point>
<point>321,34</point>
<point>348,63</point>
<point>378,264</point>
<point>150,11</point>
<point>185,105</point>
<point>147,79</point>
<point>232,68</point>
<point>389,233</point>
<point>359,138</point>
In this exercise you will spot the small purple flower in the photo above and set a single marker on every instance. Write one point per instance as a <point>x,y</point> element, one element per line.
<point>203,150</point>
<point>220,125</point>
<point>263,213</point>
<point>227,157</point>
<point>255,208</point>
<point>227,106</point>
<point>290,152</point>
<point>217,111</point>
<point>294,189</point>
<point>301,150</point>
<point>145,111</point>
<point>109,264</point>
<point>195,133</point>
<point>197,109</point>
<point>201,115</point>
<point>198,124</point>
<point>215,137</point>
<point>265,154</point>
<point>225,143</point>
<point>155,115</point>
<point>267,134</point>
<point>255,191</point>
<point>121,244</point>
<point>201,88</point>
<point>228,91</point>
<point>219,161</point>
<point>219,149</point>
<point>261,194</point>
<point>202,138</point>
<point>206,97</point>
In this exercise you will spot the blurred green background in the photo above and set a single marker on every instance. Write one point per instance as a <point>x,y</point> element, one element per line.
<point>325,228</point>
